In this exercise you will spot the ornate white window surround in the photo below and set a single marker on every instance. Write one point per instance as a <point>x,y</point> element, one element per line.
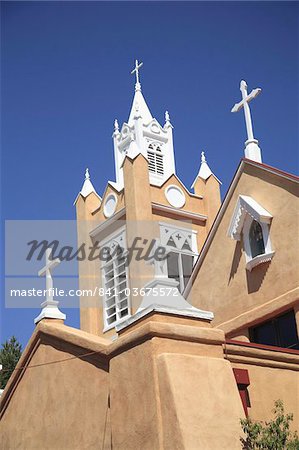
<point>247,211</point>
<point>116,302</point>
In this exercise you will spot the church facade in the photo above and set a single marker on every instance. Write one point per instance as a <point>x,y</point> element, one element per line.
<point>194,321</point>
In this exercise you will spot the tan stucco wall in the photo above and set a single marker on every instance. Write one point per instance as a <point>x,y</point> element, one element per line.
<point>91,317</point>
<point>224,286</point>
<point>284,385</point>
<point>200,409</point>
<point>167,383</point>
<point>194,203</point>
<point>272,375</point>
<point>59,406</point>
<point>210,191</point>
<point>98,212</point>
<point>177,390</point>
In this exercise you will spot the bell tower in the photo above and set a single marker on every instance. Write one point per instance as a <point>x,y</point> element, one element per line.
<point>147,208</point>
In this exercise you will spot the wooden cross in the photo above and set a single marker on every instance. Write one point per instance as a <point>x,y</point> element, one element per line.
<point>136,71</point>
<point>246,98</point>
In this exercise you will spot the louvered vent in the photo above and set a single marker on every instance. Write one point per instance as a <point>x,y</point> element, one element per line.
<point>155,160</point>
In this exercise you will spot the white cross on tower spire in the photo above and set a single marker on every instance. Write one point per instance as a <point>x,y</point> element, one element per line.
<point>49,306</point>
<point>252,150</point>
<point>136,71</point>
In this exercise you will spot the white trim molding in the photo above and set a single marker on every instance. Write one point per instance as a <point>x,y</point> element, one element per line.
<point>259,259</point>
<point>246,206</point>
<point>194,217</point>
<point>246,211</point>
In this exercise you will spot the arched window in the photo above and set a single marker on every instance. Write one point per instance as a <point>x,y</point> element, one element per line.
<point>155,159</point>
<point>180,258</point>
<point>252,221</point>
<point>256,239</point>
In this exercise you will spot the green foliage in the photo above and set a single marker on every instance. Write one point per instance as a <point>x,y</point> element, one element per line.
<point>273,435</point>
<point>10,354</point>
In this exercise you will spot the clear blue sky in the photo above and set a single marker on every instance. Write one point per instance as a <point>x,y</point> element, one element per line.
<point>65,77</point>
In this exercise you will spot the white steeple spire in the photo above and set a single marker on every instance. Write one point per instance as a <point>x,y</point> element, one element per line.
<point>116,126</point>
<point>204,170</point>
<point>143,134</point>
<point>252,150</point>
<point>87,187</point>
<point>167,120</point>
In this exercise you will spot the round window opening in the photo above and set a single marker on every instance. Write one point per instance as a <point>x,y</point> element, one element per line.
<point>175,196</point>
<point>110,205</point>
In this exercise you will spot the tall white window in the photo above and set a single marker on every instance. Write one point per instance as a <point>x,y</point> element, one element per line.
<point>181,253</point>
<point>115,281</point>
<point>155,158</point>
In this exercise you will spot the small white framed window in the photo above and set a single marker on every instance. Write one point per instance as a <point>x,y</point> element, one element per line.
<point>252,222</point>
<point>116,301</point>
<point>181,247</point>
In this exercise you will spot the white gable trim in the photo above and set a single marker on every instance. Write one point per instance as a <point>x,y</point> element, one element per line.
<point>246,205</point>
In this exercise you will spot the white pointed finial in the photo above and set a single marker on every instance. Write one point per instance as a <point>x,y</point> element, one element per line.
<point>136,71</point>
<point>87,176</point>
<point>167,121</point>
<point>252,150</point>
<point>116,126</point>
<point>204,170</point>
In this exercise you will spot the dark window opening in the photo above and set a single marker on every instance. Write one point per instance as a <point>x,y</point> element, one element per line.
<point>278,332</point>
<point>173,266</point>
<point>187,263</point>
<point>256,239</point>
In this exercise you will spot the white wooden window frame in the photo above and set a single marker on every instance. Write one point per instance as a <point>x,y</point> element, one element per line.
<point>251,261</point>
<point>193,241</point>
<point>106,243</point>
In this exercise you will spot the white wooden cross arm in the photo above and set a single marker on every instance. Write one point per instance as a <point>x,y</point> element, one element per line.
<point>252,150</point>
<point>136,71</point>
<point>254,93</point>
<point>49,266</point>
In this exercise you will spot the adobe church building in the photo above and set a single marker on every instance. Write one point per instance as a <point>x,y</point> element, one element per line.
<point>172,351</point>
